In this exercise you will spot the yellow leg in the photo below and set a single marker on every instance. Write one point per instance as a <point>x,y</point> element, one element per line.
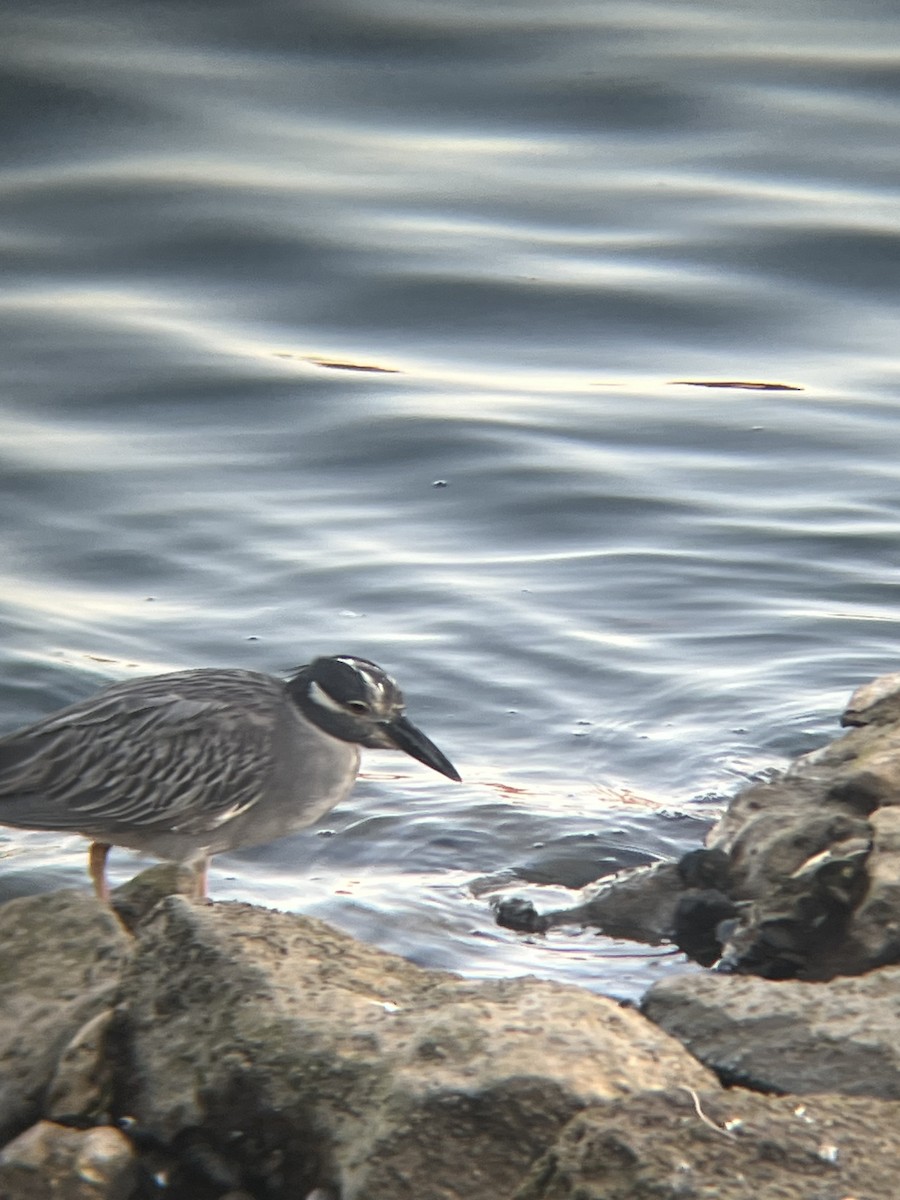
<point>201,869</point>
<point>97,856</point>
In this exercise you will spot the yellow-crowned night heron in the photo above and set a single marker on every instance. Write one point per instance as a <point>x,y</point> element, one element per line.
<point>187,765</point>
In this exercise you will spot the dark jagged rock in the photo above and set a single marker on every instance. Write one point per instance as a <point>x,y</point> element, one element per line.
<point>800,878</point>
<point>522,916</point>
<point>638,905</point>
<point>699,921</point>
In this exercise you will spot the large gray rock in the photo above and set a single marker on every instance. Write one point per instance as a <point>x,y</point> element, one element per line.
<point>409,1083</point>
<point>790,1036</point>
<point>60,957</point>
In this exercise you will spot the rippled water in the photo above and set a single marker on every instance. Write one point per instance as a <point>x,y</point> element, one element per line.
<point>274,274</point>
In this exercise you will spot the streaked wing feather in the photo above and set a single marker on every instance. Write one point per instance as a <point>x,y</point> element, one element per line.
<point>182,753</point>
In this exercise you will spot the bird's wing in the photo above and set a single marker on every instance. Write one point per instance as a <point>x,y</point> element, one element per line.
<point>181,753</point>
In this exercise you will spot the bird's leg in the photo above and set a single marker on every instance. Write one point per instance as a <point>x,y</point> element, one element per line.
<point>201,869</point>
<point>97,856</point>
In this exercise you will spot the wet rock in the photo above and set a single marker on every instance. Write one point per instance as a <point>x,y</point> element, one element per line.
<point>637,905</point>
<point>705,869</point>
<point>51,1162</point>
<point>772,830</point>
<point>60,958</point>
<point>813,857</point>
<point>701,924</point>
<point>728,1145</point>
<point>373,1076</point>
<point>801,924</point>
<point>522,916</point>
<point>788,1037</point>
<point>800,878</point>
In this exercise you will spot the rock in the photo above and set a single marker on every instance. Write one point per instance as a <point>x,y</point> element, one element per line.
<point>728,1145</point>
<point>51,1162</point>
<point>800,878</point>
<point>60,957</point>
<point>699,921</point>
<point>263,1054</point>
<point>367,1074</point>
<point>521,915</point>
<point>771,829</point>
<point>81,1086</point>
<point>874,703</point>
<point>875,927</point>
<point>812,857</point>
<point>135,898</point>
<point>638,904</point>
<point>793,1037</point>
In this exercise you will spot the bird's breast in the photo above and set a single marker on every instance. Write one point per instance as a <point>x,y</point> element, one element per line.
<point>310,773</point>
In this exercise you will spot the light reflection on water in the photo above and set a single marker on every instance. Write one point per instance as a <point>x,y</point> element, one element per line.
<point>532,231</point>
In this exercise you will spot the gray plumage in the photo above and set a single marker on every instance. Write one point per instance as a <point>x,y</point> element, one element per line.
<point>187,765</point>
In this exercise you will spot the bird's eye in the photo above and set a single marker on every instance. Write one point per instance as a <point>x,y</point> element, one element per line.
<point>358,706</point>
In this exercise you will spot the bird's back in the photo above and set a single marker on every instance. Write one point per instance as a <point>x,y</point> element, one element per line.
<point>183,752</point>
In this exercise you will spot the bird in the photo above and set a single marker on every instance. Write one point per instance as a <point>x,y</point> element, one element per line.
<point>189,764</point>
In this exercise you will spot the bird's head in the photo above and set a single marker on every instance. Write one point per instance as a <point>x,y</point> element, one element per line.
<point>356,701</point>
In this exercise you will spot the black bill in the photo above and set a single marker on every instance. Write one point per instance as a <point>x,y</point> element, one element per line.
<point>413,741</point>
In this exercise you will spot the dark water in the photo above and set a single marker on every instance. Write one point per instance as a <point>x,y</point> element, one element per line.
<point>538,227</point>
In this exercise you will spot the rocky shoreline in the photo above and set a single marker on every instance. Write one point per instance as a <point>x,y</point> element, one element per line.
<point>195,1052</point>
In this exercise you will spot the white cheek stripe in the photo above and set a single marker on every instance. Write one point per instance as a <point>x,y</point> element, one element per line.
<point>322,698</point>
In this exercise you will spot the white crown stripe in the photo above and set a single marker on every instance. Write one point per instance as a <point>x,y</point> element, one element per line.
<point>374,685</point>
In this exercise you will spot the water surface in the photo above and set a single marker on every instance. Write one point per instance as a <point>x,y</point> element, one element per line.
<point>376,328</point>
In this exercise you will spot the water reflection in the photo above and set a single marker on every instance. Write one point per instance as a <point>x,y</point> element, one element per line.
<point>272,274</point>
